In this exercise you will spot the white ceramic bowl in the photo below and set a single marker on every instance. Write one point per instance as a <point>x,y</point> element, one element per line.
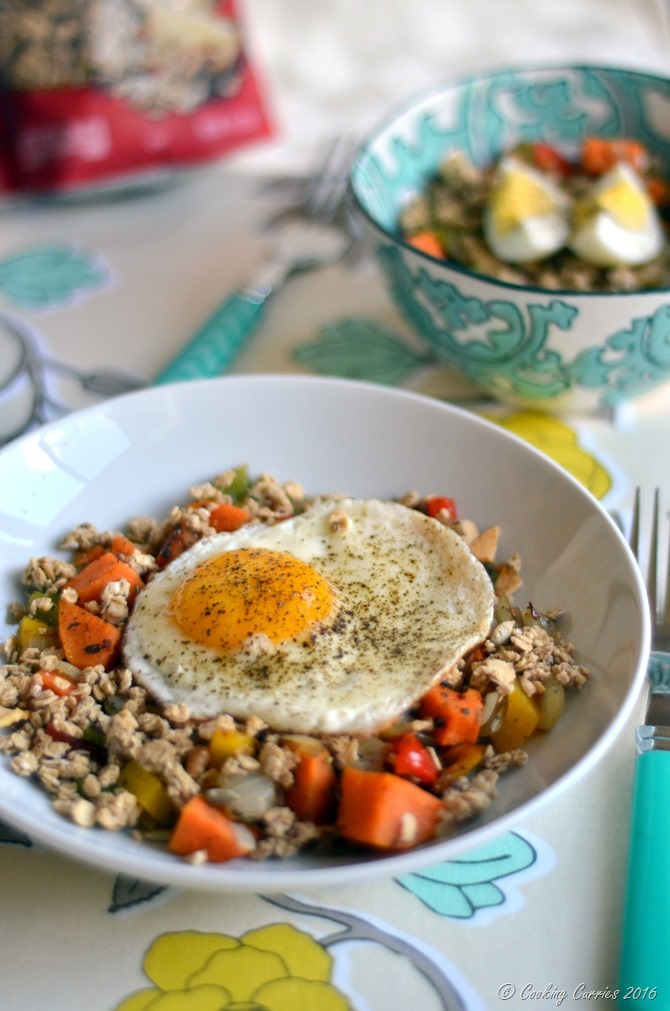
<point>138,454</point>
<point>529,347</point>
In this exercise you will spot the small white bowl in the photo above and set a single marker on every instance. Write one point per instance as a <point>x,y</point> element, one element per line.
<point>530,347</point>
<point>139,453</point>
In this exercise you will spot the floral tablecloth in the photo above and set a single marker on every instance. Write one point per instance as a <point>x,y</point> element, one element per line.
<point>530,919</point>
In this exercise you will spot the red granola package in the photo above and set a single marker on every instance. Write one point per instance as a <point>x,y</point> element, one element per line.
<point>102,91</point>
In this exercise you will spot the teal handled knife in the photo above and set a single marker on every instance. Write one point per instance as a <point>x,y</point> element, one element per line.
<point>644,973</point>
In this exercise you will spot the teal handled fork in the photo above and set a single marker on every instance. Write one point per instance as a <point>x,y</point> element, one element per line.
<point>316,233</point>
<point>644,971</point>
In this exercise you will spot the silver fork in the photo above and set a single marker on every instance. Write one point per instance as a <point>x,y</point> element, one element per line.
<point>660,615</point>
<point>646,919</point>
<point>315,233</point>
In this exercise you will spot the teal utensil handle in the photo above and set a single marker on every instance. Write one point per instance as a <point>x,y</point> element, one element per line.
<point>644,974</point>
<point>213,349</point>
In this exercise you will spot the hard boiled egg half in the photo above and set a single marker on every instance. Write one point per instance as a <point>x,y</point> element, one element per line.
<point>335,620</point>
<point>526,217</point>
<point>616,221</point>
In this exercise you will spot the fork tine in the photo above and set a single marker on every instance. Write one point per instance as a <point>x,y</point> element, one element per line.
<point>658,592</point>
<point>664,618</point>
<point>327,185</point>
<point>652,577</point>
<point>321,195</point>
<point>634,537</point>
<point>635,542</point>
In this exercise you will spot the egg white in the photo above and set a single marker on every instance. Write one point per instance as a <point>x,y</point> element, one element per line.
<point>411,600</point>
<point>516,228</point>
<point>604,241</point>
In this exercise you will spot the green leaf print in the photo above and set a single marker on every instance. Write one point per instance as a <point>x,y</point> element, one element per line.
<point>49,276</point>
<point>361,349</point>
<point>459,888</point>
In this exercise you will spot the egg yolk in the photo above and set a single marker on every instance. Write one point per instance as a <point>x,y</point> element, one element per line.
<point>627,205</point>
<point>250,591</point>
<point>516,198</point>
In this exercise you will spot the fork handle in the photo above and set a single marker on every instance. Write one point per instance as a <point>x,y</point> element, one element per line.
<point>215,346</point>
<point>644,973</point>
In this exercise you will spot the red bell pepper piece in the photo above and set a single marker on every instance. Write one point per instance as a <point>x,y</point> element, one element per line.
<point>548,159</point>
<point>412,759</point>
<point>436,503</point>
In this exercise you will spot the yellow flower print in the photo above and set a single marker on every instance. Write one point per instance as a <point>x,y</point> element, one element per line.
<point>200,998</point>
<point>172,957</point>
<point>274,968</point>
<point>244,969</point>
<point>303,956</point>
<point>561,443</point>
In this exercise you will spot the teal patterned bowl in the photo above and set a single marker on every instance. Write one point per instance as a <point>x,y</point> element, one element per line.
<point>531,347</point>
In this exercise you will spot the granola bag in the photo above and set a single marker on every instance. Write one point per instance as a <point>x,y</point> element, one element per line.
<point>97,91</point>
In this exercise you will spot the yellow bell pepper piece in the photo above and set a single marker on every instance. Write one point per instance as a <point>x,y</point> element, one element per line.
<point>550,704</point>
<point>520,721</point>
<point>460,760</point>
<point>149,790</point>
<point>8,717</point>
<point>35,634</point>
<point>228,744</point>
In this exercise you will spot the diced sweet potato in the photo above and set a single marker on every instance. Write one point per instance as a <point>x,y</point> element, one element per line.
<point>381,810</point>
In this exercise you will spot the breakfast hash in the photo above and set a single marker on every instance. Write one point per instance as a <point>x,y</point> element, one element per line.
<point>591,220</point>
<point>261,671</point>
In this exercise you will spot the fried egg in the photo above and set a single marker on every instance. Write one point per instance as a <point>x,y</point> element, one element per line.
<point>525,218</point>
<point>616,222</point>
<point>333,621</point>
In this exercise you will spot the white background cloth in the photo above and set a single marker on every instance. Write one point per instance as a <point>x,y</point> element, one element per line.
<point>341,65</point>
